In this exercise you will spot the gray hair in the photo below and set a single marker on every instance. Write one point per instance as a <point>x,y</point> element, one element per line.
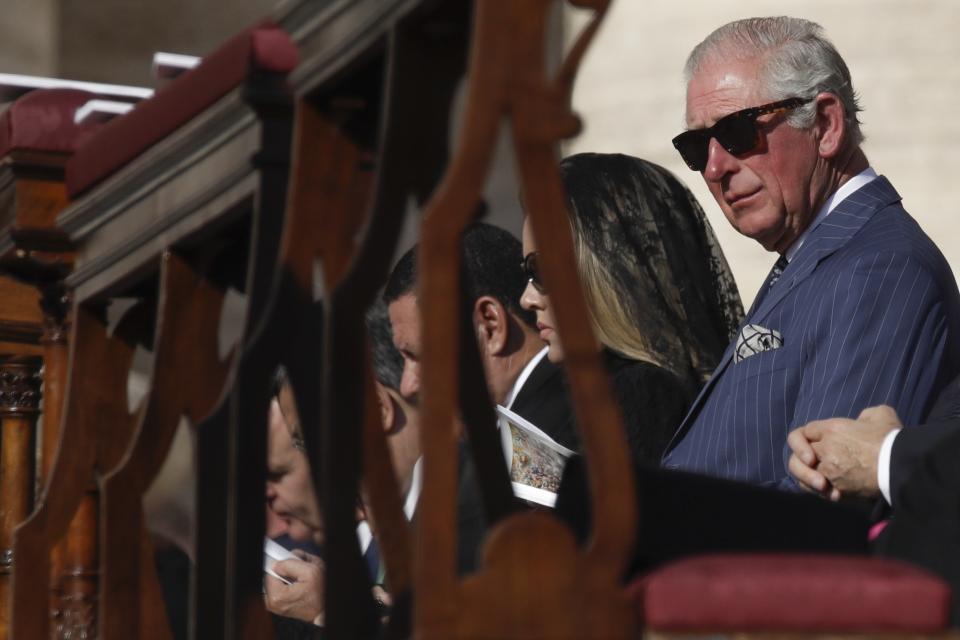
<point>797,61</point>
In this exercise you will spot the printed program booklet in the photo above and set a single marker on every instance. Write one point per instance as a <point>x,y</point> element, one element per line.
<point>535,459</point>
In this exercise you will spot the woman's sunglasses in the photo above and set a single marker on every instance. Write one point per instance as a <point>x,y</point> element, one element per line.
<point>737,133</point>
<point>531,270</point>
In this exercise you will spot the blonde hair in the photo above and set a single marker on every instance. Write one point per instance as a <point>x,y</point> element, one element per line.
<point>612,322</point>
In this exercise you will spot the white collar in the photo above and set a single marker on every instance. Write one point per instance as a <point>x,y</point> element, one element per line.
<point>416,483</point>
<point>365,535</point>
<point>413,494</point>
<point>846,189</point>
<point>522,378</point>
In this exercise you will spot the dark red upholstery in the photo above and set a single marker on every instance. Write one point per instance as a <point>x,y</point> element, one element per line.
<point>264,47</point>
<point>784,592</point>
<point>42,120</point>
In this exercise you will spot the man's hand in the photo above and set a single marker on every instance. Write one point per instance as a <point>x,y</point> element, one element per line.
<point>838,457</point>
<point>803,464</point>
<point>303,599</point>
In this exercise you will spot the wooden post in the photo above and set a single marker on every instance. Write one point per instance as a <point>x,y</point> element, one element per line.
<point>76,616</point>
<point>96,428</point>
<point>19,408</point>
<point>55,302</point>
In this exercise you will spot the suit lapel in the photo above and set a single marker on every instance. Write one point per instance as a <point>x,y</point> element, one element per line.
<point>540,375</point>
<point>830,235</point>
<point>833,233</point>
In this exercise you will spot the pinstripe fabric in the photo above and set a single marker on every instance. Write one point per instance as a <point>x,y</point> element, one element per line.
<point>869,313</point>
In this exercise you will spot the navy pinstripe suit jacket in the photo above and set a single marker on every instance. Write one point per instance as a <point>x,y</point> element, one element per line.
<point>869,314</point>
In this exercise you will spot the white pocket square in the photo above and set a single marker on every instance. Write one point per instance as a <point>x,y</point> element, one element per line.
<point>754,339</point>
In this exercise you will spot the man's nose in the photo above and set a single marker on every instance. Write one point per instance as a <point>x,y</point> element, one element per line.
<point>720,162</point>
<point>410,381</point>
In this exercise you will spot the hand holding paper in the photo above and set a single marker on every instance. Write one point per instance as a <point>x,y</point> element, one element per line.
<point>273,553</point>
<point>297,591</point>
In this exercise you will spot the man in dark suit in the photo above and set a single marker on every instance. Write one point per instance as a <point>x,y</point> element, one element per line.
<point>401,423</point>
<point>518,374</point>
<point>861,308</point>
<point>913,469</point>
<point>542,399</point>
<point>925,527</point>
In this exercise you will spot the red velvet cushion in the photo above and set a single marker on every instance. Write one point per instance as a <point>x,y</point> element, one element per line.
<point>265,47</point>
<point>42,120</point>
<point>784,592</point>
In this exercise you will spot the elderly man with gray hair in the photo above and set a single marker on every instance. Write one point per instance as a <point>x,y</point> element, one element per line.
<point>861,308</point>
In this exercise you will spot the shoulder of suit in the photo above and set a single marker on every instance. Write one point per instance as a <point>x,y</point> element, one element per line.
<point>892,232</point>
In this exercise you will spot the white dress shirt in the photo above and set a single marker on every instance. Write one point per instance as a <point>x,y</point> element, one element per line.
<point>522,378</point>
<point>863,178</point>
<point>883,465</point>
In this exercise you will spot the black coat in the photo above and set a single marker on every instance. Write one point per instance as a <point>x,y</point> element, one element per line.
<point>925,488</point>
<point>543,401</point>
<point>652,400</point>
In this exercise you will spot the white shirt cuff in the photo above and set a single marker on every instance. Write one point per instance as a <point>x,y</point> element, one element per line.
<point>883,465</point>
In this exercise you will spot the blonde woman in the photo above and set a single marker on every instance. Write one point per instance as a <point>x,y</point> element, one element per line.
<point>660,295</point>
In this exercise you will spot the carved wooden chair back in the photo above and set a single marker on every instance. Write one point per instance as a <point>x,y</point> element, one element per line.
<point>532,575</point>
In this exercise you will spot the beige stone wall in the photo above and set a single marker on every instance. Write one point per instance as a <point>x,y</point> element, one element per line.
<point>114,40</point>
<point>27,37</point>
<point>903,56</point>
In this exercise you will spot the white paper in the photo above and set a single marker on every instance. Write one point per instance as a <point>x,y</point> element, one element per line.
<point>506,414</point>
<point>272,554</point>
<point>533,494</point>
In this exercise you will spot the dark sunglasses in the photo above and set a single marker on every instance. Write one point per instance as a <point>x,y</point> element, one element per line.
<point>737,133</point>
<point>531,270</point>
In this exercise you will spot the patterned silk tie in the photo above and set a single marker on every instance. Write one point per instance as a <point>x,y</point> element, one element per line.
<point>765,288</point>
<point>777,271</point>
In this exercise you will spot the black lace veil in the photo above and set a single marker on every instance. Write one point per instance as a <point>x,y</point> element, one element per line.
<point>652,238</point>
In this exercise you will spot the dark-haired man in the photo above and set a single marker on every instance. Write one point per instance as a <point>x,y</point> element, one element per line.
<point>518,374</point>
<point>401,423</point>
<point>399,416</point>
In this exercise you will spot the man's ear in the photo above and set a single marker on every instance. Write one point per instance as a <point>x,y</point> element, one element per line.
<point>388,411</point>
<point>492,325</point>
<point>831,124</point>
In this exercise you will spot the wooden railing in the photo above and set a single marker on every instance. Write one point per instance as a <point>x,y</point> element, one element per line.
<point>277,175</point>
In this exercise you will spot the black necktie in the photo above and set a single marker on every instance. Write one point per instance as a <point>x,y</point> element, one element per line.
<point>765,288</point>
